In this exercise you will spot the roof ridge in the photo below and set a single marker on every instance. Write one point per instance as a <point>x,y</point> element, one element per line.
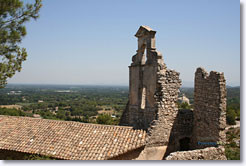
<point>63,121</point>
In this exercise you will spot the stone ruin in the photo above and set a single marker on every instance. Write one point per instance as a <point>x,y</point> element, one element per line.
<point>209,108</point>
<point>152,106</point>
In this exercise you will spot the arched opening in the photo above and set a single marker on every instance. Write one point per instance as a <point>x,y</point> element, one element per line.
<point>184,144</point>
<point>145,55</point>
<point>143,52</point>
<point>143,98</point>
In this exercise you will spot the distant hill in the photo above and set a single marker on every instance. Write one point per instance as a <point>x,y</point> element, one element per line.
<point>187,84</point>
<point>232,93</point>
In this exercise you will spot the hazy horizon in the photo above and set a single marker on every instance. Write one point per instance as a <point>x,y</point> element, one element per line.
<point>112,85</point>
<point>92,42</point>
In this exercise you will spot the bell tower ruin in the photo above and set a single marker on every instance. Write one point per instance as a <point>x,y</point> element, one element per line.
<point>153,91</point>
<point>144,69</point>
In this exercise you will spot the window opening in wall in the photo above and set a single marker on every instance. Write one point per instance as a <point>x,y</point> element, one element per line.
<point>143,99</point>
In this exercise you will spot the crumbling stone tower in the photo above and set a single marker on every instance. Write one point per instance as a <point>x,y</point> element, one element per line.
<point>209,109</point>
<point>140,109</point>
<point>153,91</point>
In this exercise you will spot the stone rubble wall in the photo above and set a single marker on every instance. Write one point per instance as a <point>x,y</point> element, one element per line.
<point>168,84</point>
<point>184,124</point>
<point>209,108</point>
<point>182,129</point>
<point>210,153</point>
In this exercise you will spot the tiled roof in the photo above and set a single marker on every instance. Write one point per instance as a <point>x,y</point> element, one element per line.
<point>66,139</point>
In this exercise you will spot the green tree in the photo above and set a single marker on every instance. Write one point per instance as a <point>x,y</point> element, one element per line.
<point>13,15</point>
<point>232,153</point>
<point>184,105</point>
<point>61,114</point>
<point>13,112</point>
<point>230,117</point>
<point>86,119</point>
<point>105,119</point>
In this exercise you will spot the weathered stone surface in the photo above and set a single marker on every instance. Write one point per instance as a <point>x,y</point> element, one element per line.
<point>210,153</point>
<point>166,97</point>
<point>153,92</point>
<point>181,133</point>
<point>145,77</point>
<point>209,108</point>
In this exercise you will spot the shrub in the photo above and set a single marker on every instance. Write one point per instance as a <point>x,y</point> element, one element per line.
<point>230,117</point>
<point>105,119</point>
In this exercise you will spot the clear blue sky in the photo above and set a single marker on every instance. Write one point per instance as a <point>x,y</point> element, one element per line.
<point>92,41</point>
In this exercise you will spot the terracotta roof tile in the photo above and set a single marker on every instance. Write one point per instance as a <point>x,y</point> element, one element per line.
<point>66,139</point>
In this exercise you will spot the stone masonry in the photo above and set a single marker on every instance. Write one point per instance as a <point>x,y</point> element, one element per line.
<point>153,88</point>
<point>181,133</point>
<point>152,106</point>
<point>210,153</point>
<point>153,91</point>
<point>209,109</point>
<point>141,107</point>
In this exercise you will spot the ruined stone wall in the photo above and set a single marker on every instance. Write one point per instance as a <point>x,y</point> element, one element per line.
<point>209,108</point>
<point>140,109</point>
<point>153,89</point>
<point>160,105</point>
<point>210,153</point>
<point>153,95</point>
<point>166,96</point>
<point>152,104</point>
<point>159,132</point>
<point>181,133</point>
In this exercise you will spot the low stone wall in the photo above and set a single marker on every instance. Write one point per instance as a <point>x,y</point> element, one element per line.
<point>210,153</point>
